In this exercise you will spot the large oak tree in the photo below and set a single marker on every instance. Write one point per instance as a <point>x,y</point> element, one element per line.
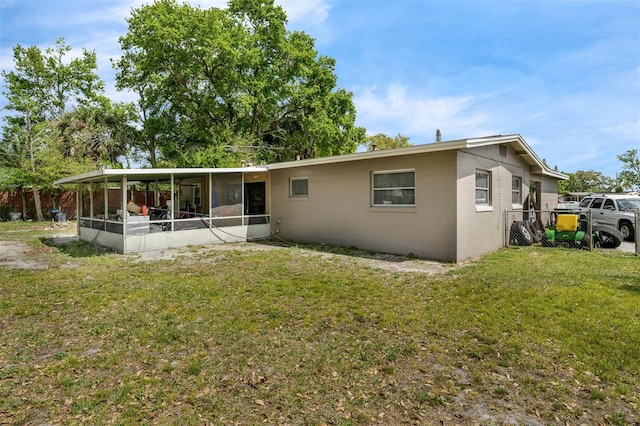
<point>217,86</point>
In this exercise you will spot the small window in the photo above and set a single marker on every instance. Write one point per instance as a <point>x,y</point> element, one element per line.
<point>483,186</point>
<point>397,188</point>
<point>299,187</point>
<point>516,190</point>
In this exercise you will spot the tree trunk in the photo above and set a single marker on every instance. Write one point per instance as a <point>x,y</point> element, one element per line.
<point>36,200</point>
<point>23,197</point>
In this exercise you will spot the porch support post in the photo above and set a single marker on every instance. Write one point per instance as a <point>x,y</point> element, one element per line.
<point>78,207</point>
<point>106,203</point>
<point>173,201</point>
<point>243,195</point>
<point>210,202</point>
<point>91,202</point>
<point>156,194</point>
<point>125,214</point>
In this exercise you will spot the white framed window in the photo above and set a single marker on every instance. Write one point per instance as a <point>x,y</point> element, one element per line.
<point>483,188</point>
<point>516,190</point>
<point>299,187</point>
<point>393,188</point>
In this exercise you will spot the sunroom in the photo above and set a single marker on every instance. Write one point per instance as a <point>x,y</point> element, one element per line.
<point>133,210</point>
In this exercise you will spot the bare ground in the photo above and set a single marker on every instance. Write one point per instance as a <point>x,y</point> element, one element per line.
<point>18,255</point>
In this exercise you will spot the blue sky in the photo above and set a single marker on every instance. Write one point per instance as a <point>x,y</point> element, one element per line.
<point>564,74</point>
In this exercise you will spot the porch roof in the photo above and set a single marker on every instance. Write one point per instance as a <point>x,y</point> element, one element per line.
<point>116,175</point>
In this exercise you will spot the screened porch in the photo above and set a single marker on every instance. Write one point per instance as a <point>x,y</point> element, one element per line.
<point>135,210</point>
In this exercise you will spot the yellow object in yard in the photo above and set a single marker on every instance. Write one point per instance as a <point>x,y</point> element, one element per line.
<point>567,222</point>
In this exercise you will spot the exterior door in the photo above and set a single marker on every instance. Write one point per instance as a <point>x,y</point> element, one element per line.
<point>255,200</point>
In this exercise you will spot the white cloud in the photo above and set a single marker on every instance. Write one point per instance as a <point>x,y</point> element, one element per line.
<point>418,116</point>
<point>309,11</point>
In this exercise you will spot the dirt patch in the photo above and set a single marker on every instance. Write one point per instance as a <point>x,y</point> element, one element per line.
<point>387,262</point>
<point>14,254</point>
<point>18,255</point>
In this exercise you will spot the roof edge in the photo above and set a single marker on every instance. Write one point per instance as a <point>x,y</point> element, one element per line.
<point>425,148</point>
<point>96,175</point>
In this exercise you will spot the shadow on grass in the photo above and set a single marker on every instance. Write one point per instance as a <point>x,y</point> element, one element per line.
<point>71,246</point>
<point>345,251</point>
<point>631,288</point>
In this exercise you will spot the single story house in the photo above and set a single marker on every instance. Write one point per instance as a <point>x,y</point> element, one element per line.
<point>444,201</point>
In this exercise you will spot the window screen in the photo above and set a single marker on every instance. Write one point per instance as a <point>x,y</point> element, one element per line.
<point>299,187</point>
<point>394,188</point>
<point>483,185</point>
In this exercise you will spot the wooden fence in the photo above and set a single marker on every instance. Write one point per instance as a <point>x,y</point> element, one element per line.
<point>65,201</point>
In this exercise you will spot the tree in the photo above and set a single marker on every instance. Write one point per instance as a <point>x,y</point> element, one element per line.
<point>587,181</point>
<point>40,90</point>
<point>223,86</point>
<point>382,141</point>
<point>629,178</point>
<point>100,133</point>
<point>14,164</point>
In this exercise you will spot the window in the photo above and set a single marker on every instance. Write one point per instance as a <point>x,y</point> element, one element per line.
<point>483,185</point>
<point>516,190</point>
<point>597,203</point>
<point>299,187</point>
<point>585,202</point>
<point>397,188</point>
<point>608,204</point>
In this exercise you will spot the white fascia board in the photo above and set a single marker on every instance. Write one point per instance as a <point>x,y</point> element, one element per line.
<point>383,153</point>
<point>424,148</point>
<point>110,174</point>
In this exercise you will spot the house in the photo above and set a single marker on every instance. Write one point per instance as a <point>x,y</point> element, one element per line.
<point>444,201</point>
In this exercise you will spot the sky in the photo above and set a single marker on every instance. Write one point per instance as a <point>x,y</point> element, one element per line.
<point>564,74</point>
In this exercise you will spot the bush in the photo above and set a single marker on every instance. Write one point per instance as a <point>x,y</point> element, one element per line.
<point>5,209</point>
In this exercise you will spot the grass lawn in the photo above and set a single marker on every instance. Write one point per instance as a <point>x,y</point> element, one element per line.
<point>265,334</point>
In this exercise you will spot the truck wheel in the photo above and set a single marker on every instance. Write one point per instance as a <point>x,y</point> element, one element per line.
<point>520,235</point>
<point>608,236</point>
<point>626,229</point>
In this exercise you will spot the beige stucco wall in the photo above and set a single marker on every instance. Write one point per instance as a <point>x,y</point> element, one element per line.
<point>338,209</point>
<point>481,231</point>
<point>549,194</point>
<point>445,223</point>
